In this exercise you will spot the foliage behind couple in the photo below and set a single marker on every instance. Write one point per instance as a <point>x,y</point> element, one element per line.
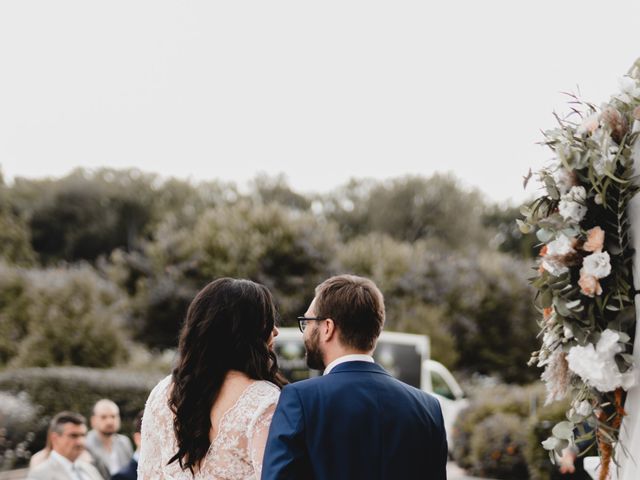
<point>120,254</point>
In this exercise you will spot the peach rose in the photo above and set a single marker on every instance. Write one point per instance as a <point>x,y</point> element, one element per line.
<point>636,113</point>
<point>589,285</point>
<point>595,240</point>
<point>543,251</point>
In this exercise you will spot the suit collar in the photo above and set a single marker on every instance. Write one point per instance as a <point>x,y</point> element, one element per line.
<point>358,366</point>
<point>347,358</point>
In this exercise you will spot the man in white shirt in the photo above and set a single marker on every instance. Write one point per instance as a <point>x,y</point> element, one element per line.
<point>68,434</point>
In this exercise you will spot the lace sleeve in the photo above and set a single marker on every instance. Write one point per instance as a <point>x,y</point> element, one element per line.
<point>150,461</point>
<point>259,431</point>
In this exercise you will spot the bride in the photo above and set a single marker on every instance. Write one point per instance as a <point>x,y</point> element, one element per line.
<point>210,418</point>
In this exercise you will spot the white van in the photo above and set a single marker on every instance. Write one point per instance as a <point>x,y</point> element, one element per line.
<point>404,355</point>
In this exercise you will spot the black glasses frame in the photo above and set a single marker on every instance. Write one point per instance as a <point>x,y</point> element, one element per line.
<point>302,321</point>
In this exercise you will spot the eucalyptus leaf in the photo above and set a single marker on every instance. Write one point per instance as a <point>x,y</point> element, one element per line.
<point>627,358</point>
<point>550,443</point>
<point>573,304</point>
<point>546,298</point>
<point>561,307</point>
<point>563,430</point>
<point>544,235</point>
<point>525,228</point>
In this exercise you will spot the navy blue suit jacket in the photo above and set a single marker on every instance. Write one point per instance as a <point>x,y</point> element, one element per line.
<point>357,422</point>
<point>130,472</point>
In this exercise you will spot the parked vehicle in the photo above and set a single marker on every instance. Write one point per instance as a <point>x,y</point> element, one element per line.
<point>404,355</point>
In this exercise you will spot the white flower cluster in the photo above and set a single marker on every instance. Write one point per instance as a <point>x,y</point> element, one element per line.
<point>596,365</point>
<point>576,240</point>
<point>557,250</point>
<point>629,89</point>
<point>572,204</point>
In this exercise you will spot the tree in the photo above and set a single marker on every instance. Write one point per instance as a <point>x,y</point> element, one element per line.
<point>507,237</point>
<point>15,244</point>
<point>286,250</point>
<point>492,315</point>
<point>437,209</point>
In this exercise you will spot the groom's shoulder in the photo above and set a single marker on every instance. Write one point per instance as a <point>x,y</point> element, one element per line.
<point>302,387</point>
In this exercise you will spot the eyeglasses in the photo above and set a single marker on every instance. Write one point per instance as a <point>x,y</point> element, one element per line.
<point>302,321</point>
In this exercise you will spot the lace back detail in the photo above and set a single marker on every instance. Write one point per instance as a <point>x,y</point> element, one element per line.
<point>236,451</point>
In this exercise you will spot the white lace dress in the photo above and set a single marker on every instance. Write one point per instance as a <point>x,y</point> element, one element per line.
<point>235,453</point>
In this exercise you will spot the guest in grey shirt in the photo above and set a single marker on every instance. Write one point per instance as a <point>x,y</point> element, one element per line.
<point>103,441</point>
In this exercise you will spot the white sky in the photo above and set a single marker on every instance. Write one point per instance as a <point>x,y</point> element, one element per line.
<point>320,91</point>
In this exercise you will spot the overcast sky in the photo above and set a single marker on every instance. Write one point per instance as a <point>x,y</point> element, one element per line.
<point>319,91</point>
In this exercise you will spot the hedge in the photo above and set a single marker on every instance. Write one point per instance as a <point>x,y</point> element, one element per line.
<point>51,390</point>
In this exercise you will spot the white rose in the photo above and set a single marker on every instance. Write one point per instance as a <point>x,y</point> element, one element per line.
<point>572,211</point>
<point>556,251</point>
<point>563,180</point>
<point>628,89</point>
<point>596,365</point>
<point>560,247</point>
<point>572,204</point>
<point>583,408</point>
<point>577,194</point>
<point>597,264</point>
<point>554,267</point>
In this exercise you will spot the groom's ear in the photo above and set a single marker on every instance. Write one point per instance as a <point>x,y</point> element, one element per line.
<point>328,329</point>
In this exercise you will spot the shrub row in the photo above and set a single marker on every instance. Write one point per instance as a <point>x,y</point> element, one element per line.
<point>30,397</point>
<point>499,434</point>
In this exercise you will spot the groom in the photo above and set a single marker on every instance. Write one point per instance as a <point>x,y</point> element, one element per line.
<point>356,421</point>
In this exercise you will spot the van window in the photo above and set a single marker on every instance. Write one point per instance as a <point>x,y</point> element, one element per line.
<point>291,360</point>
<point>403,361</point>
<point>440,386</point>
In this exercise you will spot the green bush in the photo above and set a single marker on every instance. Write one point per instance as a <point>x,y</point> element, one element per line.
<point>540,466</point>
<point>14,324</point>
<point>52,390</point>
<point>60,316</point>
<point>486,402</point>
<point>497,447</point>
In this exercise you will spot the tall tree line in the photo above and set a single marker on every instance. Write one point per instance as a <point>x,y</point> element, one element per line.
<point>451,264</point>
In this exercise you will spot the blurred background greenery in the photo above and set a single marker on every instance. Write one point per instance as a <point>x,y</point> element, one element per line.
<point>97,269</point>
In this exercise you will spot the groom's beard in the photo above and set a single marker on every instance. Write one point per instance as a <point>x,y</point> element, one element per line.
<point>313,353</point>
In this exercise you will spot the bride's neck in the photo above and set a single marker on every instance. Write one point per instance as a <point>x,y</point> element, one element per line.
<point>236,374</point>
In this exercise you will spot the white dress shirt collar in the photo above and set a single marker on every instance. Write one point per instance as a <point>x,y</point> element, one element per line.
<point>353,357</point>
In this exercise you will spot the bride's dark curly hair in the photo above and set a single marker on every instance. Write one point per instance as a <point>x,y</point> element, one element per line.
<point>227,327</point>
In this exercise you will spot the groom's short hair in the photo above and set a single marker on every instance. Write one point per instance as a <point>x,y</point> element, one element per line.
<point>356,306</point>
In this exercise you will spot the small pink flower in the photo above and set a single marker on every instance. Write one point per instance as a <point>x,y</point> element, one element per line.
<point>589,125</point>
<point>589,284</point>
<point>613,119</point>
<point>595,240</point>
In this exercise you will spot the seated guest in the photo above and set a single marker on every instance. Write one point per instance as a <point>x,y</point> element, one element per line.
<point>104,442</point>
<point>130,472</point>
<point>41,456</point>
<point>68,431</point>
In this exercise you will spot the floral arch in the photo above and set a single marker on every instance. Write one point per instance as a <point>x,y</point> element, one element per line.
<point>584,281</point>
